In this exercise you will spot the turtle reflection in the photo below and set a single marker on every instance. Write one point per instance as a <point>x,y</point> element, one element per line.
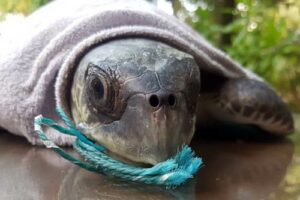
<point>233,170</point>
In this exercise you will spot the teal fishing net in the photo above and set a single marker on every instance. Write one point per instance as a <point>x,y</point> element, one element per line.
<point>170,173</point>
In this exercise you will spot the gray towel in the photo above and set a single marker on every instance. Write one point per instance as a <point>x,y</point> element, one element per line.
<point>38,58</point>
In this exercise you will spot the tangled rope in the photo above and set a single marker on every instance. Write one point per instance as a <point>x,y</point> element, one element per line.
<point>171,173</point>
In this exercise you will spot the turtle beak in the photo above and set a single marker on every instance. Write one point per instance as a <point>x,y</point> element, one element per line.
<point>160,116</point>
<point>152,129</point>
<point>168,139</point>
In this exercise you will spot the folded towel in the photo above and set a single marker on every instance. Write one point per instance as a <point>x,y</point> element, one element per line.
<point>38,58</point>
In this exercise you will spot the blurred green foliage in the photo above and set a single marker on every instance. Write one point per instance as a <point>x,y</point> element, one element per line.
<point>262,35</point>
<point>20,6</point>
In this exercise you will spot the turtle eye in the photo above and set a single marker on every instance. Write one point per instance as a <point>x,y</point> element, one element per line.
<point>102,93</point>
<point>98,88</point>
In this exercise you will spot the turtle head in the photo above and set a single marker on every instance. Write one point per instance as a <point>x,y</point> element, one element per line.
<point>136,97</point>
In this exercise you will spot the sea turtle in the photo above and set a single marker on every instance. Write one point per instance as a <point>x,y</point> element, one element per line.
<point>130,76</point>
<point>142,99</point>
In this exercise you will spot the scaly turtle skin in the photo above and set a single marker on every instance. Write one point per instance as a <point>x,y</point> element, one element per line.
<point>141,99</point>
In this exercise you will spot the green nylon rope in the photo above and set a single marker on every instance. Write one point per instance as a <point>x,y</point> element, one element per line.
<point>171,173</point>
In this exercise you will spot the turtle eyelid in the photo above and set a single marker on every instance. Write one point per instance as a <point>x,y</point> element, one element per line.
<point>93,69</point>
<point>105,71</point>
<point>89,69</point>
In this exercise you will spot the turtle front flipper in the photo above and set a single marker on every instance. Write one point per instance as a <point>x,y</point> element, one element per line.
<point>245,101</point>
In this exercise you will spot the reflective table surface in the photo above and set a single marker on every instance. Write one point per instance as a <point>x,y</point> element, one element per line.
<point>236,166</point>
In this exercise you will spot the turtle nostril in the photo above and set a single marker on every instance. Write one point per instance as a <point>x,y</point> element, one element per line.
<point>154,100</point>
<point>172,100</point>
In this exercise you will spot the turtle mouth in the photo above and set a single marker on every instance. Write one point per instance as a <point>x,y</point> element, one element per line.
<point>145,134</point>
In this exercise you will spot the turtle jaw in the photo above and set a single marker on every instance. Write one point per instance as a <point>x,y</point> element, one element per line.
<point>145,134</point>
